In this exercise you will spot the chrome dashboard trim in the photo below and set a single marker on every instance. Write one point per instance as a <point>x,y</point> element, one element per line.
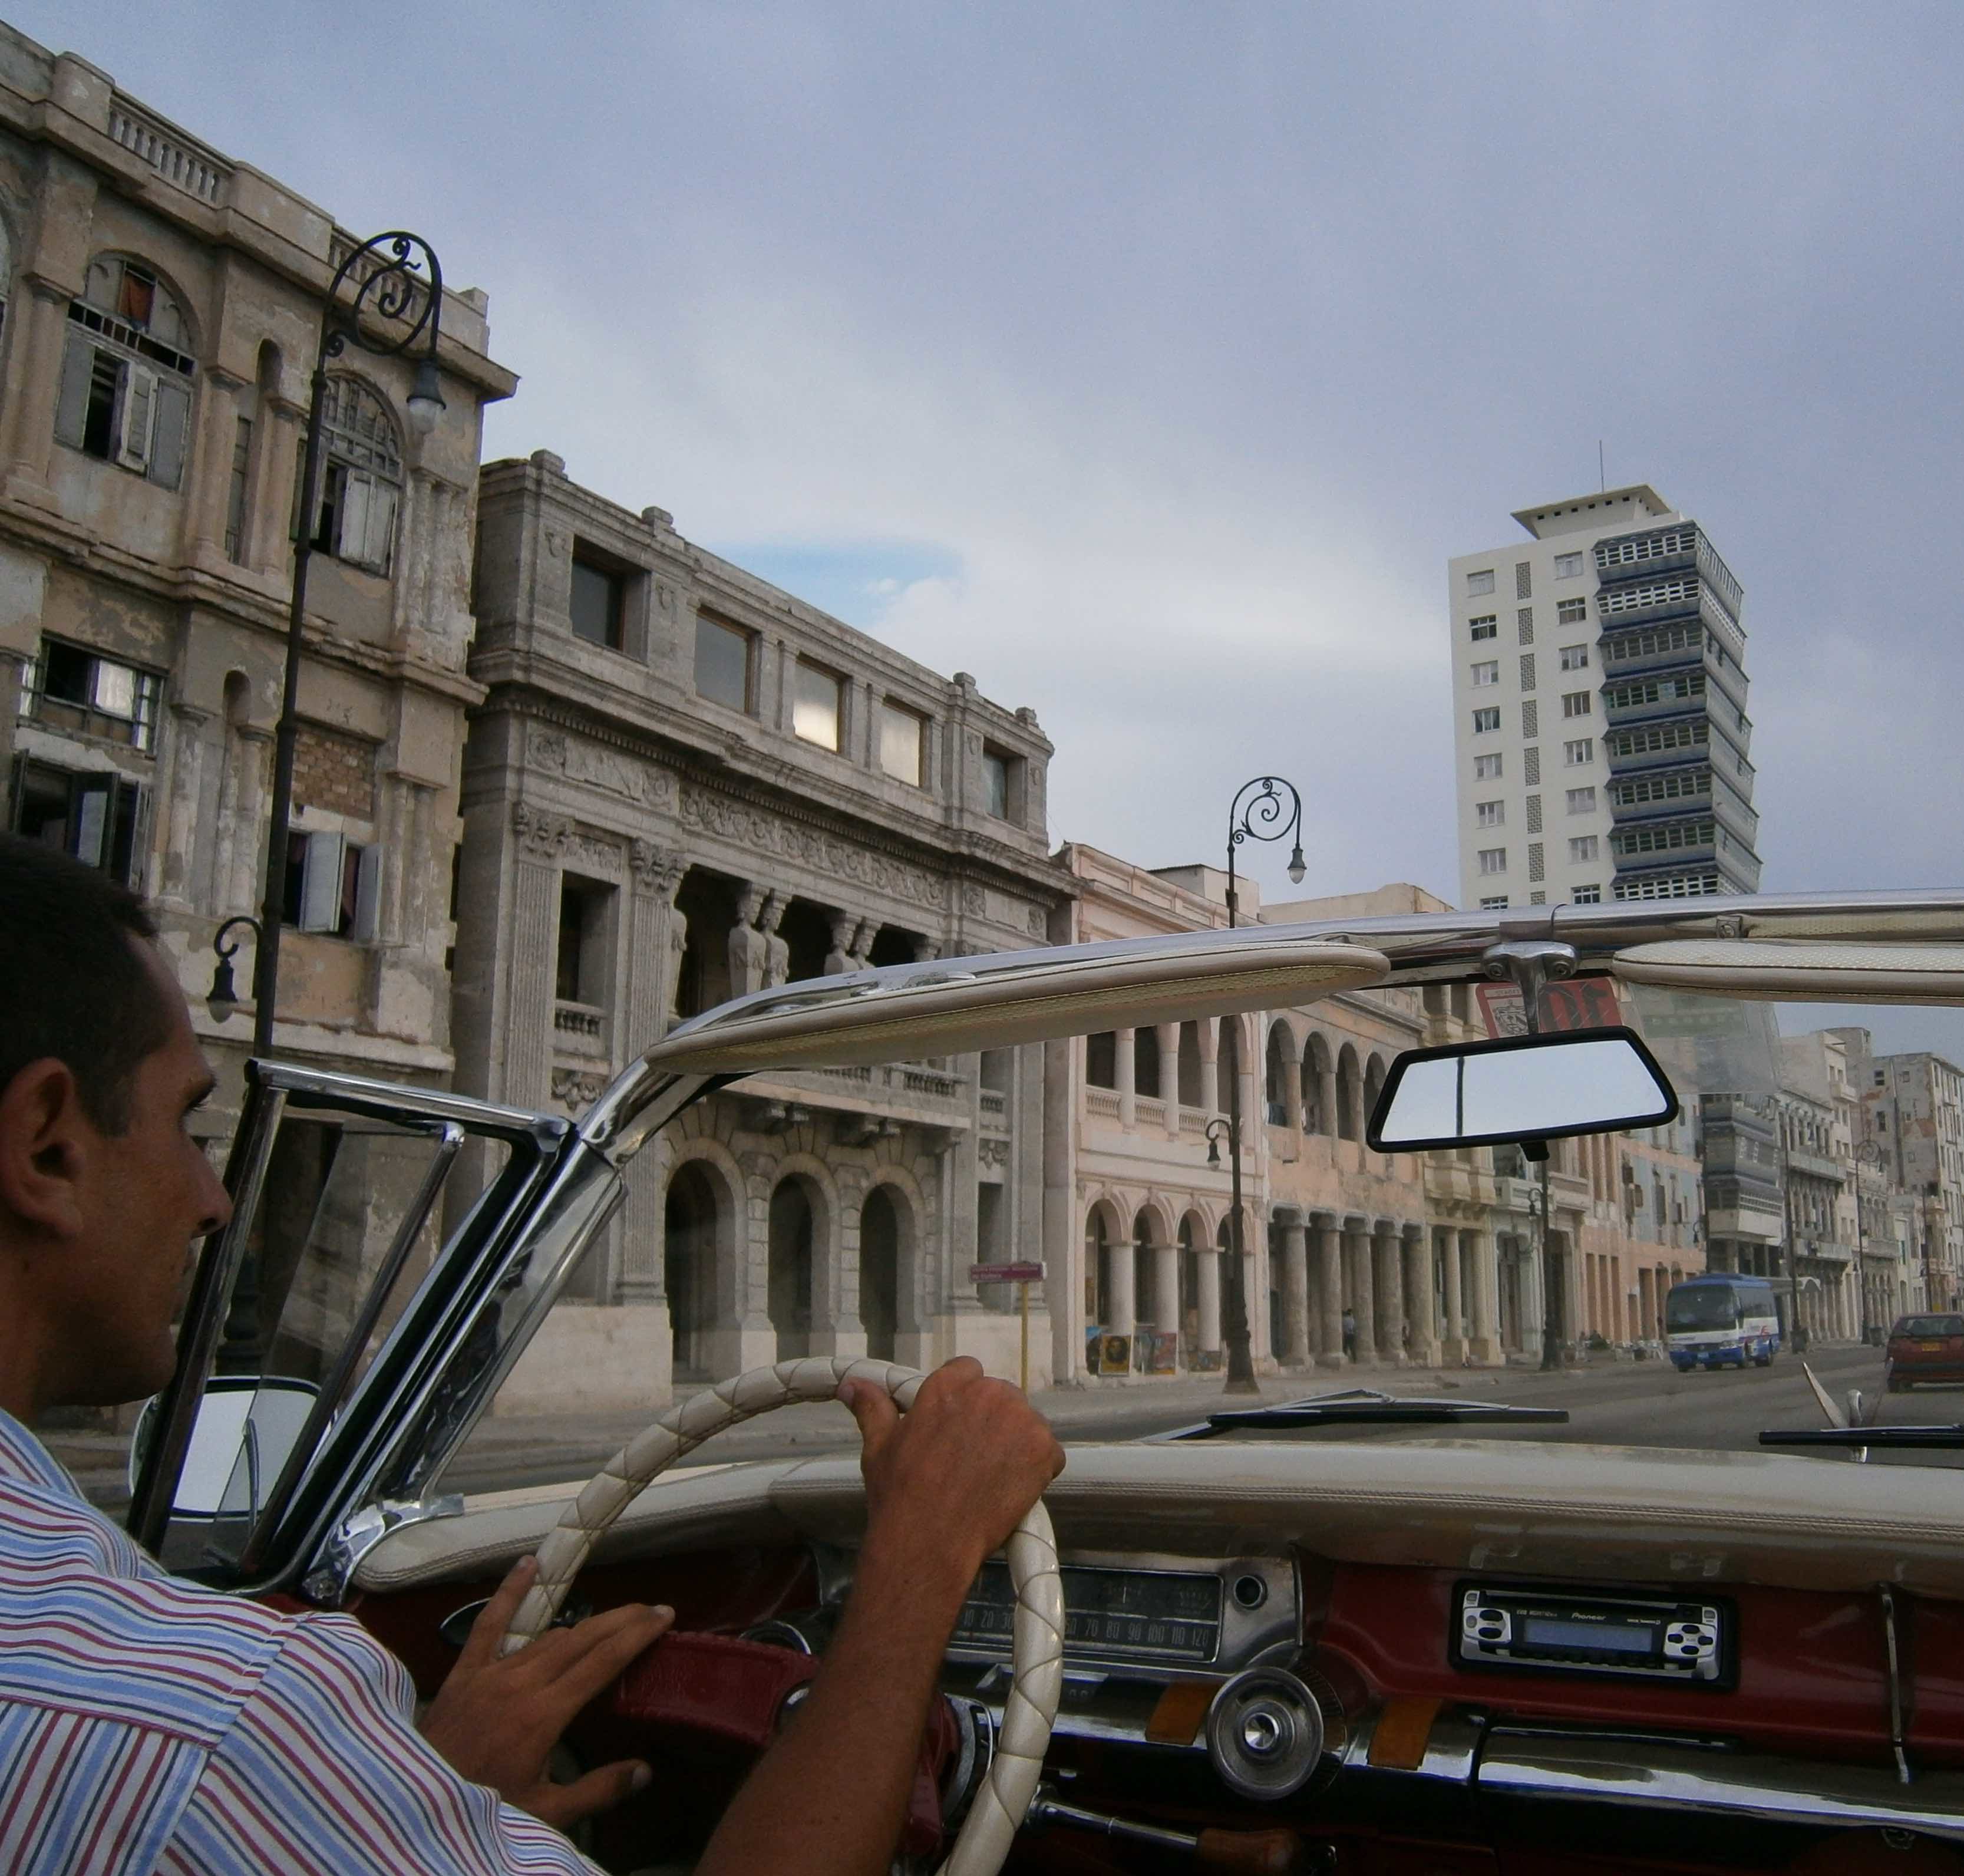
<point>1676,1774</point>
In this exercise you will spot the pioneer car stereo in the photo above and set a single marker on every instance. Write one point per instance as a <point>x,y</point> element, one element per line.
<point>1583,1632</point>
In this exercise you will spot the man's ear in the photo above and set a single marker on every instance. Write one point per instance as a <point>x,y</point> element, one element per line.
<point>46,1143</point>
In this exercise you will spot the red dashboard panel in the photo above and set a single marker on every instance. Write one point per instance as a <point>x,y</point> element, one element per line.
<point>721,1592</point>
<point>1812,1664</point>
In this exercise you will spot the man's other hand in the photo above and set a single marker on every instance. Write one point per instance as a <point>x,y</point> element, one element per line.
<point>497,1719</point>
<point>947,1481</point>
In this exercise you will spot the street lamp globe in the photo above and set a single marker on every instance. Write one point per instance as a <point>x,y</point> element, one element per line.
<point>426,404</point>
<point>1296,868</point>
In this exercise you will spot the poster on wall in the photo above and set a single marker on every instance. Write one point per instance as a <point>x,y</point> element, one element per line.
<point>1207,1361</point>
<point>1163,1356</point>
<point>1115,1354</point>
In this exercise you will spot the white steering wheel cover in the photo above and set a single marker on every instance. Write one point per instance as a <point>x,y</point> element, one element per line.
<point>1037,1634</point>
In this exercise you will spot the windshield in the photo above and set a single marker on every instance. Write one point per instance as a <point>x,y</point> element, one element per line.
<point>1701,1308</point>
<point>1799,1159</point>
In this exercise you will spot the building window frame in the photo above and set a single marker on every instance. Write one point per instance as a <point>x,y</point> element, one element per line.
<point>127,373</point>
<point>818,705</point>
<point>715,640</point>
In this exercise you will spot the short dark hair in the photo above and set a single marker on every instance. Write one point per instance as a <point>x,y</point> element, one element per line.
<point>74,986</point>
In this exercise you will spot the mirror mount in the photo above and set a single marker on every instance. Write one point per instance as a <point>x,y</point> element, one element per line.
<point>1529,963</point>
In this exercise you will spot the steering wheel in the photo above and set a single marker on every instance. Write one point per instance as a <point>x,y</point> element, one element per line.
<point>1037,1636</point>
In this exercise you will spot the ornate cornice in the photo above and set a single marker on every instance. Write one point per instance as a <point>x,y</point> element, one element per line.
<point>711,777</point>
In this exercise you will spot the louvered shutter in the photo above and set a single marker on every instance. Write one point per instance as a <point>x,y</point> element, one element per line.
<point>320,883</point>
<point>71,402</point>
<point>171,421</point>
<point>139,417</point>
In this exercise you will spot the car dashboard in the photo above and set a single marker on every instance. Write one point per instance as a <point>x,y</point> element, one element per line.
<point>1339,1658</point>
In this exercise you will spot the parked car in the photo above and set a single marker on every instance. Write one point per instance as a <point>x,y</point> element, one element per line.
<point>1350,1648</point>
<point>1924,1348</point>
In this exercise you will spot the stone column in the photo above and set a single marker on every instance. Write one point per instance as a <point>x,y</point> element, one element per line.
<point>41,305</point>
<point>1295,1351</point>
<point>1390,1293</point>
<point>1292,1093</point>
<point>1209,1036</point>
<point>1330,1288</point>
<point>1363,1290</point>
<point>1453,1349</point>
<point>1165,1288</point>
<point>207,483</point>
<point>1421,1305</point>
<point>1207,1263</point>
<point>1169,1036</point>
<point>1120,1288</point>
<point>653,876</point>
<point>252,755</point>
<point>269,519</point>
<point>1482,1254</point>
<point>178,849</point>
<point>1127,1065</point>
<point>533,937</point>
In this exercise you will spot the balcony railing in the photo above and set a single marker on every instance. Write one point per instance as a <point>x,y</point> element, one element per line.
<point>580,1027</point>
<point>177,161</point>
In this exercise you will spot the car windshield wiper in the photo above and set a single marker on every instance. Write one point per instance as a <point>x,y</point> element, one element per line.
<point>1363,1406</point>
<point>1951,1437</point>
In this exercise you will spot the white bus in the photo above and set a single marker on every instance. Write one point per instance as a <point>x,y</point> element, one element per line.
<point>1721,1320</point>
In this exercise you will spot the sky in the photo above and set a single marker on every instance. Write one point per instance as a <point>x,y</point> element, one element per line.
<point>1148,361</point>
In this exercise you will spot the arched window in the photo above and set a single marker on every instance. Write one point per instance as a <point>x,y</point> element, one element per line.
<point>125,394</point>
<point>360,477</point>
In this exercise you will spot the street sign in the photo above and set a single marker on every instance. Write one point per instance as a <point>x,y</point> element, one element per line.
<point>1005,1273</point>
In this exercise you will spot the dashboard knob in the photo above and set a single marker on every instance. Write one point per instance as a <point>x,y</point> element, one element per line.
<point>1265,1733</point>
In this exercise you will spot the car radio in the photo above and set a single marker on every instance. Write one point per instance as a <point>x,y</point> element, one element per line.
<point>1579,1632</point>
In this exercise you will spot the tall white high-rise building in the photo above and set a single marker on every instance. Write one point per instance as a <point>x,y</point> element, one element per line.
<point>1600,736</point>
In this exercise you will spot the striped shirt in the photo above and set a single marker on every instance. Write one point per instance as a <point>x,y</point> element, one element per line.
<point>149,1727</point>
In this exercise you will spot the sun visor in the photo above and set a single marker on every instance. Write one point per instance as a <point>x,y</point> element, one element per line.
<point>959,1009</point>
<point>1816,973</point>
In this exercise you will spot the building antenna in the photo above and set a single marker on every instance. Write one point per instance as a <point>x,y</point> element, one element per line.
<point>1602,478</point>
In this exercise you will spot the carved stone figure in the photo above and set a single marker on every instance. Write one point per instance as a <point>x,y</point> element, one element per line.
<point>840,958</point>
<point>777,949</point>
<point>749,954</point>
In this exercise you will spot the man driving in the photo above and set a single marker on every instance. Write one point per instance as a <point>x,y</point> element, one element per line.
<point>147,1724</point>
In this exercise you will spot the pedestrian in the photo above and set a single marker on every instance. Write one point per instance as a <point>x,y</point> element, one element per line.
<point>1349,1336</point>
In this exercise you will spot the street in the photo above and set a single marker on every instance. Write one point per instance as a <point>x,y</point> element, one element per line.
<point>1641,1403</point>
<point>1613,1403</point>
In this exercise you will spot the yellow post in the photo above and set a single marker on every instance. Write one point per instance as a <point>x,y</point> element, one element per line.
<point>1024,1289</point>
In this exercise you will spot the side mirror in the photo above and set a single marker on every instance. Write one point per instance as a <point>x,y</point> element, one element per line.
<point>246,1428</point>
<point>1525,1087</point>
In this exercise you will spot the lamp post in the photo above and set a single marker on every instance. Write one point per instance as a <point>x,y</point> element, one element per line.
<point>1258,812</point>
<point>1866,1153</point>
<point>1550,1292</point>
<point>402,308</point>
<point>1789,1249</point>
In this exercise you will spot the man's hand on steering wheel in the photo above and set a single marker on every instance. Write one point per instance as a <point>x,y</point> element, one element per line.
<point>948,1481</point>
<point>497,1720</point>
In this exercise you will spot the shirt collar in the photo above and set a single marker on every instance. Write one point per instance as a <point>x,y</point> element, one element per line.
<point>22,1457</point>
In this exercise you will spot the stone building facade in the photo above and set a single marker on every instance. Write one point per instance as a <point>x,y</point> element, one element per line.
<point>163,305</point>
<point>683,784</point>
<point>1139,1186</point>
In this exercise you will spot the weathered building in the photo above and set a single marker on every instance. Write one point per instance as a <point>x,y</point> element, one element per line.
<point>162,306</point>
<point>683,784</point>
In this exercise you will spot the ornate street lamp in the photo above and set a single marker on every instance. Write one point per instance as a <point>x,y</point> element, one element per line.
<point>1550,1290</point>
<point>1259,813</point>
<point>396,307</point>
<point>222,999</point>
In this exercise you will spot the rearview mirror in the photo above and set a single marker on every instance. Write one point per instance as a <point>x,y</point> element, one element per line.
<point>1526,1088</point>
